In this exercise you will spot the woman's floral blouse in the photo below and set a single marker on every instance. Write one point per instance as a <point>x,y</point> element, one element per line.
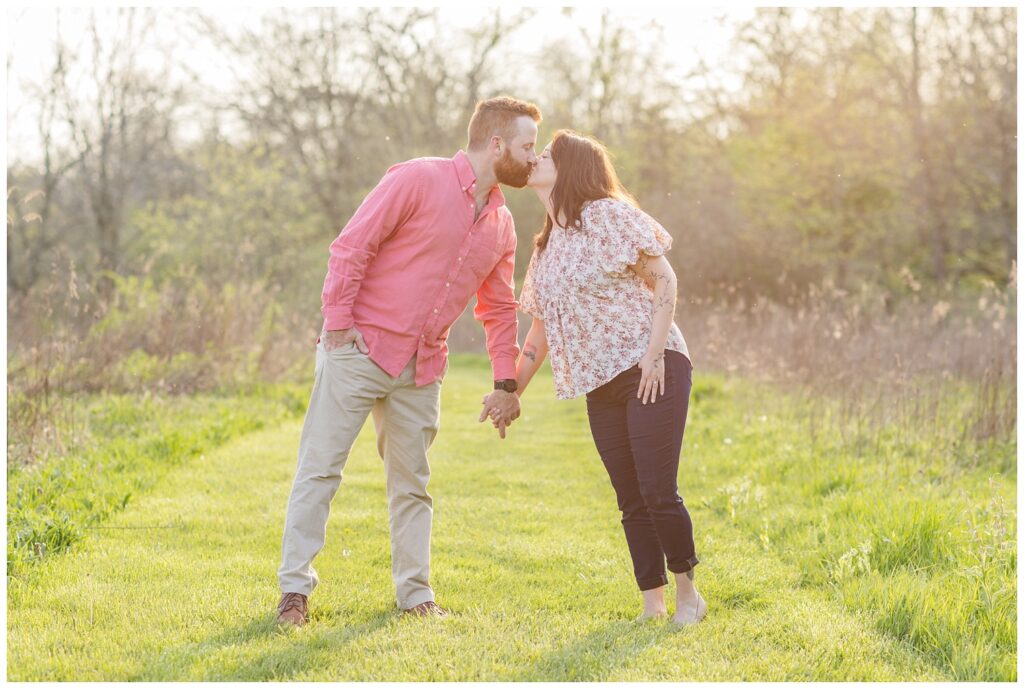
<point>596,311</point>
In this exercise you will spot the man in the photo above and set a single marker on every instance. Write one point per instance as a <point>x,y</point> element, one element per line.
<point>431,234</point>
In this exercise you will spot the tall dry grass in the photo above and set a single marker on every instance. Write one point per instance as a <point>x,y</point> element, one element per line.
<point>180,337</point>
<point>939,368</point>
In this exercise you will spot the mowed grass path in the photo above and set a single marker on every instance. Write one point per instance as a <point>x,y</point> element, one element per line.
<point>528,554</point>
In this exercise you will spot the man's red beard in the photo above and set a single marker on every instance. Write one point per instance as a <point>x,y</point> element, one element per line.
<point>511,172</point>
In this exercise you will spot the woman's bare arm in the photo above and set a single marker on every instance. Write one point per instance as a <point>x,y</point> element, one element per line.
<point>534,350</point>
<point>657,272</point>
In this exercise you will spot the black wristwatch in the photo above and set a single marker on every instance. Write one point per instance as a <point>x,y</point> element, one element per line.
<point>506,384</point>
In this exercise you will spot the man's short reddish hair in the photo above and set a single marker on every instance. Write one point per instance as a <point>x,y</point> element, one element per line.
<point>496,117</point>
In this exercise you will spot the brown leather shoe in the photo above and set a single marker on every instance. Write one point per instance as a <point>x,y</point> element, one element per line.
<point>428,609</point>
<point>292,609</point>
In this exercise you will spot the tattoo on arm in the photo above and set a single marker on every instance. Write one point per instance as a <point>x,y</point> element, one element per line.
<point>530,353</point>
<point>665,299</point>
<point>654,278</point>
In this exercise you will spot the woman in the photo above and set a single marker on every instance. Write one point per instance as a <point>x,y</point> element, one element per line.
<point>602,296</point>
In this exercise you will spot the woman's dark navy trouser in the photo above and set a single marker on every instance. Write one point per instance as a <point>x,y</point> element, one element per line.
<point>639,445</point>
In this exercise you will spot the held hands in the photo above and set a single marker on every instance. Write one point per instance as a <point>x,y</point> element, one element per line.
<point>652,368</point>
<point>502,407</point>
<point>333,339</point>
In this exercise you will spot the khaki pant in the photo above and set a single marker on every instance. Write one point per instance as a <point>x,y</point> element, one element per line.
<point>347,387</point>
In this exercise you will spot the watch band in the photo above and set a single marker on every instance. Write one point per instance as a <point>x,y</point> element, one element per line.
<point>506,384</point>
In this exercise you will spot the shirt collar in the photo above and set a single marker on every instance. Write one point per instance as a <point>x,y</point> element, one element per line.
<point>467,179</point>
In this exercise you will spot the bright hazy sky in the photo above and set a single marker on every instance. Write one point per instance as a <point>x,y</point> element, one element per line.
<point>689,33</point>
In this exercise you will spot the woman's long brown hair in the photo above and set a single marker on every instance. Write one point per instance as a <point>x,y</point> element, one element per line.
<point>585,173</point>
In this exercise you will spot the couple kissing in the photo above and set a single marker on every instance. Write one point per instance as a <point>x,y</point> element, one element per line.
<point>433,233</point>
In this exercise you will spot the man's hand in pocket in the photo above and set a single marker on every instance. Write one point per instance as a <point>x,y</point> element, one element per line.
<point>333,339</point>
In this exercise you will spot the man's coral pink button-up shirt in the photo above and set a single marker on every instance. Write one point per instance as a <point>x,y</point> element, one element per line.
<point>406,265</point>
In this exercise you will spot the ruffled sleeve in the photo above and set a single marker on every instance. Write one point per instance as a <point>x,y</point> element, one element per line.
<point>528,302</point>
<point>622,232</point>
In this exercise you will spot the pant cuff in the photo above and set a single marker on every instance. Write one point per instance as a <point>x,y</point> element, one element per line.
<point>684,567</point>
<point>416,599</point>
<point>652,583</point>
<point>294,581</point>
<point>304,590</point>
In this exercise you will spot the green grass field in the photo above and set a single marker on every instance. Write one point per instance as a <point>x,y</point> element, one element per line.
<point>830,559</point>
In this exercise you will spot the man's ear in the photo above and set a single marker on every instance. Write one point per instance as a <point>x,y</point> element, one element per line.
<point>497,145</point>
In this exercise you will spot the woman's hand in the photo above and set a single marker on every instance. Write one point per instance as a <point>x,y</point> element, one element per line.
<point>652,366</point>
